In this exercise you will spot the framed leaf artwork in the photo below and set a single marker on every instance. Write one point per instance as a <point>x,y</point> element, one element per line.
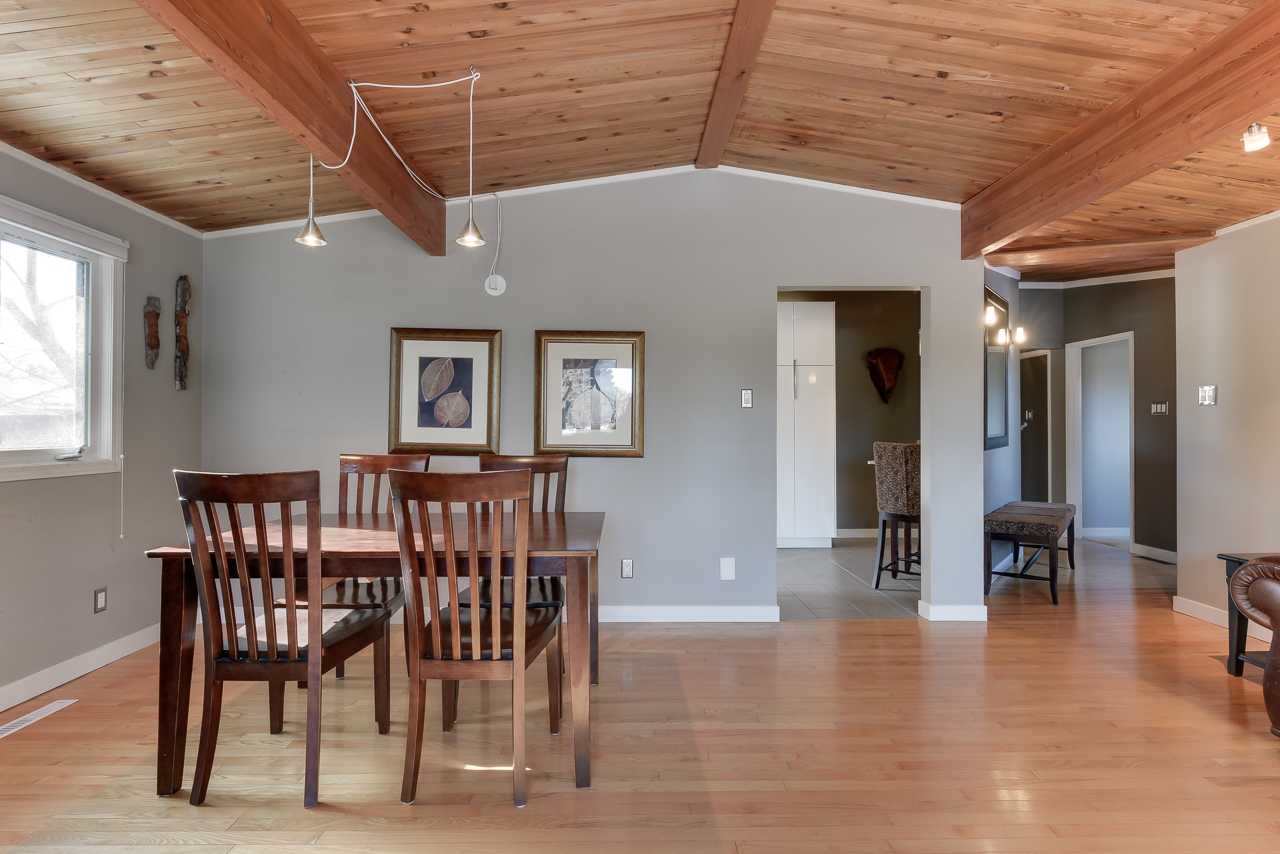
<point>444,391</point>
<point>589,393</point>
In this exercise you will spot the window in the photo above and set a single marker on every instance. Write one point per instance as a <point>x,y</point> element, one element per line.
<point>60,323</point>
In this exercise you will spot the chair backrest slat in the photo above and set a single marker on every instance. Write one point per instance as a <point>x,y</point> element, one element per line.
<point>450,492</point>
<point>373,466</point>
<point>545,465</point>
<point>220,571</point>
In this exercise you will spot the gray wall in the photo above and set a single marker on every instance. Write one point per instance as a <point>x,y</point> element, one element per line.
<point>1145,308</point>
<point>61,535</point>
<point>1002,467</point>
<point>1228,456</point>
<point>866,320</point>
<point>297,364</point>
<point>1104,435</point>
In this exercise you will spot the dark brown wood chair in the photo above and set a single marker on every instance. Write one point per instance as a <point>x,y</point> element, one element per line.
<point>367,592</point>
<point>291,640</point>
<point>489,640</point>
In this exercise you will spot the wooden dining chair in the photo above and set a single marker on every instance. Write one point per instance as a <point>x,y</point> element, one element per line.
<point>489,640</point>
<point>289,641</point>
<point>543,592</point>
<point>367,592</point>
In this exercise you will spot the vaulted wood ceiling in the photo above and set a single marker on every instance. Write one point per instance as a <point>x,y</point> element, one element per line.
<point>931,98</point>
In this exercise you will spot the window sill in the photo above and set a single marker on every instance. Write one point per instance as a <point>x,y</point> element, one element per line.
<point>42,470</point>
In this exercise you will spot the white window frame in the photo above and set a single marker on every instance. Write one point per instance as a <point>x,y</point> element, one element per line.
<point>105,323</point>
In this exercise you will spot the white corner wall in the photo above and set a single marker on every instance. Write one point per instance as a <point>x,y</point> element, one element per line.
<point>297,362</point>
<point>61,536</point>
<point>1228,310</point>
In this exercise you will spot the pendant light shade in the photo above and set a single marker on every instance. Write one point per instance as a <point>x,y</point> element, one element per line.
<point>310,234</point>
<point>471,235</point>
<point>1255,137</point>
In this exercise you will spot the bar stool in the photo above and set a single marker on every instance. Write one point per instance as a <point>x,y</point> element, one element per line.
<point>898,500</point>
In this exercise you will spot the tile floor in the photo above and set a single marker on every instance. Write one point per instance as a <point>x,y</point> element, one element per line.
<point>835,584</point>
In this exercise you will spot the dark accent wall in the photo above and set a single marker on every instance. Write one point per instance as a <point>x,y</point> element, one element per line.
<point>1146,308</point>
<point>866,320</point>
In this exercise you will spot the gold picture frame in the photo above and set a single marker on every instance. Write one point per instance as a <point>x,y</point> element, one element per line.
<point>595,405</point>
<point>444,395</point>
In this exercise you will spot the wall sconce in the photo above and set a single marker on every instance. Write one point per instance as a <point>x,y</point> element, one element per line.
<point>1002,336</point>
<point>990,318</point>
<point>1255,137</point>
<point>1019,336</point>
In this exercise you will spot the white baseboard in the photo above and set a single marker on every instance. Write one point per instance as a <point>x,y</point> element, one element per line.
<point>1217,616</point>
<point>689,614</point>
<point>73,668</point>
<point>804,542</point>
<point>857,533</point>
<point>953,613</point>
<point>1154,553</point>
<point>1104,532</point>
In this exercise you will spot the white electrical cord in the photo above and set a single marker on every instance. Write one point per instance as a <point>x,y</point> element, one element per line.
<point>359,106</point>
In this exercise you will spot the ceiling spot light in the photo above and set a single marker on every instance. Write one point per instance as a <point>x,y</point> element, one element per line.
<point>310,234</point>
<point>1255,137</point>
<point>471,235</point>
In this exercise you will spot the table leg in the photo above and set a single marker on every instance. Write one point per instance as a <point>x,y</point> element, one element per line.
<point>177,649</point>
<point>580,665</point>
<point>1237,628</point>
<point>595,619</point>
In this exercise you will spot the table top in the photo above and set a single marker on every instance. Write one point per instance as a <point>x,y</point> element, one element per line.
<point>373,535</point>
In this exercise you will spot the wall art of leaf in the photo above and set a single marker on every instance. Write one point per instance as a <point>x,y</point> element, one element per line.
<point>452,410</point>
<point>436,378</point>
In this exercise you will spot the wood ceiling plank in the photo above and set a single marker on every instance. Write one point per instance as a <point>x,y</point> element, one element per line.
<point>1098,251</point>
<point>1230,79</point>
<point>750,22</point>
<point>262,49</point>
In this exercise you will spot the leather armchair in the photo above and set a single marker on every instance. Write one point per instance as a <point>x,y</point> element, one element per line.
<point>1255,587</point>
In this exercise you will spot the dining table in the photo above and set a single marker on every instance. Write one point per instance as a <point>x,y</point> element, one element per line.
<point>566,545</point>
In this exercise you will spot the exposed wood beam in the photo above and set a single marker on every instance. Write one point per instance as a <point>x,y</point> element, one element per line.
<point>1097,251</point>
<point>261,48</point>
<point>750,22</point>
<point>1216,89</point>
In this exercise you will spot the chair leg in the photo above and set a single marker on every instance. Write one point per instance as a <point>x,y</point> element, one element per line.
<point>210,719</point>
<point>879,550</point>
<point>555,695</point>
<point>413,741</point>
<point>382,680</point>
<point>311,779</point>
<point>408,666</point>
<point>448,704</point>
<point>893,548</point>
<point>340,672</point>
<point>275,696</point>
<point>1053,572</point>
<point>517,739</point>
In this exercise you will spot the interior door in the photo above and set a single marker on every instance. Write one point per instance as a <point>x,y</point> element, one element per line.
<point>786,453</point>
<point>815,441</point>
<point>1035,428</point>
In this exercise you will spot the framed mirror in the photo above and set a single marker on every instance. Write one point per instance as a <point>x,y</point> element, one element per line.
<point>995,384</point>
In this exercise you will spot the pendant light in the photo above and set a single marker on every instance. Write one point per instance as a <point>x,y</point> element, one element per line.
<point>471,235</point>
<point>310,234</point>
<point>1255,137</point>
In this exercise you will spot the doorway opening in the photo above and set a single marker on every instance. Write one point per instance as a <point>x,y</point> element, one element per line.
<point>1099,428</point>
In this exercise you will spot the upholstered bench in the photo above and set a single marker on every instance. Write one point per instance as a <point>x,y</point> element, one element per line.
<point>1032,523</point>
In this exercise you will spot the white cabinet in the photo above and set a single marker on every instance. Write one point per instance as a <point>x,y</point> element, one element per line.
<point>806,424</point>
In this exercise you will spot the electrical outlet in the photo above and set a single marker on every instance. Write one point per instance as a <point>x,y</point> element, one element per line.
<point>627,570</point>
<point>727,570</point>
<point>99,600</point>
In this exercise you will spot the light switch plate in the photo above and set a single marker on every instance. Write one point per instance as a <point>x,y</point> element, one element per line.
<point>628,570</point>
<point>727,570</point>
<point>1160,407</point>
<point>746,398</point>
<point>1208,395</point>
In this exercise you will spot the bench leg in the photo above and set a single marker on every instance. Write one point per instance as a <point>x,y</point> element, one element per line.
<point>986,564</point>
<point>1071,544</point>
<point>1053,572</point>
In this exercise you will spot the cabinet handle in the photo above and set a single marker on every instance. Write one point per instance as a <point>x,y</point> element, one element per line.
<point>794,381</point>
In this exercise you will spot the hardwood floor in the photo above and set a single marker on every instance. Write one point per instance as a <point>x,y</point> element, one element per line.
<point>1106,724</point>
